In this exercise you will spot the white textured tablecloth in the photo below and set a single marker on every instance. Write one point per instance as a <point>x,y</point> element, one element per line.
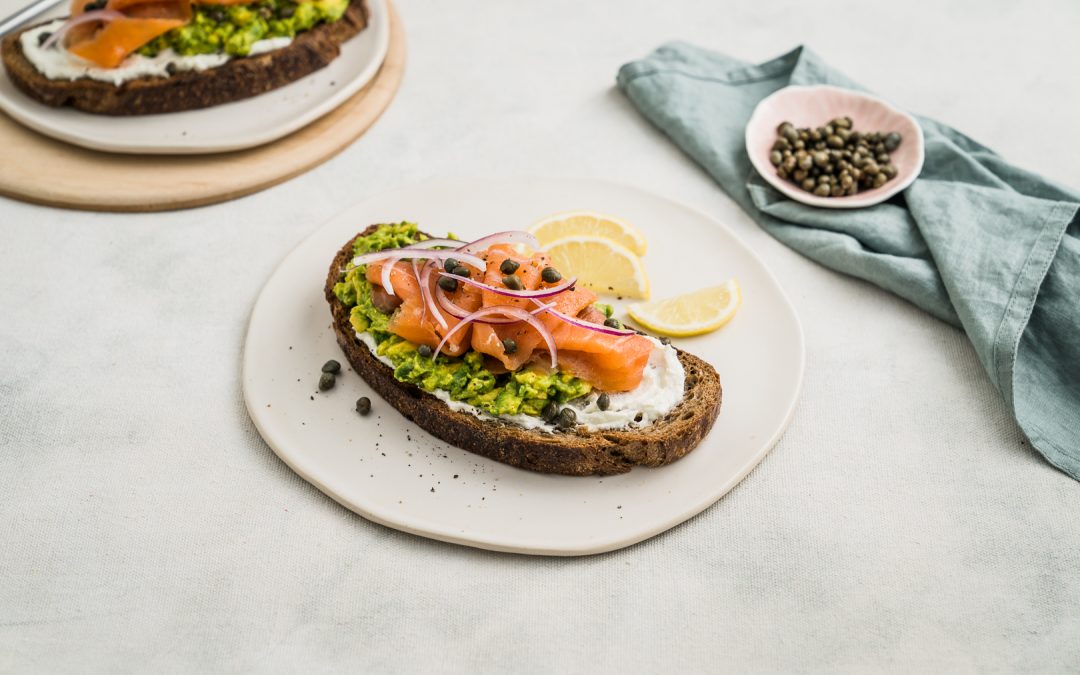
<point>901,524</point>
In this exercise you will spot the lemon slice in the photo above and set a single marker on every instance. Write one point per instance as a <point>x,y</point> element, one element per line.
<point>691,313</point>
<point>600,264</point>
<point>589,224</point>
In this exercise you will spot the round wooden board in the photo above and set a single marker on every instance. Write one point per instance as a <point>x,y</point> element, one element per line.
<point>99,181</point>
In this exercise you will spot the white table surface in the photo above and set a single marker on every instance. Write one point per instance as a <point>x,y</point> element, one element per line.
<point>901,524</point>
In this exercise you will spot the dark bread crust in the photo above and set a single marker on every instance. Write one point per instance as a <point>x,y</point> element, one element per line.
<point>577,452</point>
<point>236,79</point>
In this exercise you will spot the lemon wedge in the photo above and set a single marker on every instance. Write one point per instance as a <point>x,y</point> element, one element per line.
<point>693,313</point>
<point>589,224</point>
<point>601,264</point>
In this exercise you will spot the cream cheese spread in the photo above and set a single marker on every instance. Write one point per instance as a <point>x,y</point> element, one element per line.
<point>661,389</point>
<point>57,63</point>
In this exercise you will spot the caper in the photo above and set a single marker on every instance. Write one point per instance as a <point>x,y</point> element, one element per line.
<point>889,170</point>
<point>550,411</point>
<point>612,323</point>
<point>424,350</point>
<point>800,144</point>
<point>821,158</point>
<point>815,135</point>
<point>789,132</point>
<point>783,125</point>
<point>567,418</point>
<point>799,175</point>
<point>331,366</point>
<point>822,190</point>
<point>781,144</point>
<point>834,141</point>
<point>789,164</point>
<point>447,284</point>
<point>509,266</point>
<point>892,141</point>
<point>363,405</point>
<point>775,158</point>
<point>809,184</point>
<point>550,275</point>
<point>509,346</point>
<point>326,381</point>
<point>512,282</point>
<point>782,172</point>
<point>450,265</point>
<point>170,68</point>
<point>882,158</point>
<point>880,179</point>
<point>871,168</point>
<point>837,191</point>
<point>805,161</point>
<point>603,401</point>
<point>460,271</point>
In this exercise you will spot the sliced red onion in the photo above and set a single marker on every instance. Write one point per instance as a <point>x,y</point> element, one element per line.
<point>521,315</point>
<point>399,253</point>
<point>538,293</point>
<point>598,327</point>
<point>78,20</point>
<point>387,269</point>
<point>509,237</point>
<point>461,312</point>
<point>424,279</point>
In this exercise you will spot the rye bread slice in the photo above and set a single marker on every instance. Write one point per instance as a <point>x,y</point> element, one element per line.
<point>576,452</point>
<point>236,79</point>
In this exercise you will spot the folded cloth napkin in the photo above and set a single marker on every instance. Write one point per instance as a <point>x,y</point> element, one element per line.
<point>975,241</point>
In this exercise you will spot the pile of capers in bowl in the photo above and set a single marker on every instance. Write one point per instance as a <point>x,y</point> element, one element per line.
<point>834,160</point>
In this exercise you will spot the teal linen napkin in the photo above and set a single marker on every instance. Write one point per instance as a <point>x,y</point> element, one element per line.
<point>975,241</point>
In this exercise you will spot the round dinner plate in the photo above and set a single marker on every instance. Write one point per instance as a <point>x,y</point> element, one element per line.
<point>390,471</point>
<point>231,126</point>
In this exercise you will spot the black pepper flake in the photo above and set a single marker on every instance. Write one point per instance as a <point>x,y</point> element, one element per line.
<point>433,489</point>
<point>455,475</point>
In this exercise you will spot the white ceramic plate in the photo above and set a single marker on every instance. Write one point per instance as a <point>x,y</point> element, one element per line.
<point>389,471</point>
<point>815,106</point>
<point>231,126</point>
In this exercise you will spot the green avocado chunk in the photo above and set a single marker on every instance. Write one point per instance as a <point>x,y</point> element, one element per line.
<point>464,378</point>
<point>232,29</point>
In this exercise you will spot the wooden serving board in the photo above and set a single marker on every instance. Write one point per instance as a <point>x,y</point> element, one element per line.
<point>46,171</point>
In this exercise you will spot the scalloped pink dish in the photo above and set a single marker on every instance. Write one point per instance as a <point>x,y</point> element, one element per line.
<point>816,105</point>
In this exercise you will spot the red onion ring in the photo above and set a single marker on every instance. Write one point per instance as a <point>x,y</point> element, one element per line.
<point>399,253</point>
<point>86,17</point>
<point>538,293</point>
<point>509,237</point>
<point>510,311</point>
<point>424,279</point>
<point>387,268</point>
<point>598,327</point>
<point>461,312</point>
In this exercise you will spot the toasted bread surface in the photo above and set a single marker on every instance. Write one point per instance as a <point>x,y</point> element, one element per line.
<point>236,79</point>
<point>575,452</point>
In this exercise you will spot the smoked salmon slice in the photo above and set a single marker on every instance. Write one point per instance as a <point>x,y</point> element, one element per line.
<point>112,42</point>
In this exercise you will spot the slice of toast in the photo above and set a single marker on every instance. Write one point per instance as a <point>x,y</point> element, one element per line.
<point>574,452</point>
<point>236,79</point>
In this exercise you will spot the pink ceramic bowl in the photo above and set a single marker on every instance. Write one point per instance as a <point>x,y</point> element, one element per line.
<point>815,106</point>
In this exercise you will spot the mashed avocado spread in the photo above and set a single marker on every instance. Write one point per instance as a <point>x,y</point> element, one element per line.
<point>465,378</point>
<point>232,29</point>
